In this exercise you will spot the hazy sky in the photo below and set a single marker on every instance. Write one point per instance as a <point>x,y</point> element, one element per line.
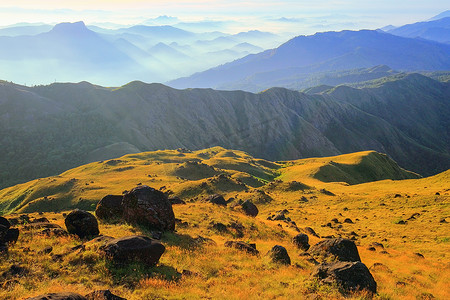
<point>310,14</point>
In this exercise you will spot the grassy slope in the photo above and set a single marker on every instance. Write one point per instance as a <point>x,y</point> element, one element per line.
<point>223,273</point>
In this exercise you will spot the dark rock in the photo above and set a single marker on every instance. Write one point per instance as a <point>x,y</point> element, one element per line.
<point>301,240</point>
<point>41,225</point>
<point>347,220</point>
<point>425,296</point>
<point>219,227</point>
<point>176,200</point>
<point>5,222</point>
<point>397,196</point>
<point>401,222</point>
<point>420,255</point>
<point>57,257</point>
<point>58,296</point>
<point>157,235</point>
<point>46,250</point>
<point>15,271</point>
<point>81,223</point>
<point>339,249</point>
<point>217,199</point>
<point>249,248</point>
<point>352,276</point>
<point>148,207</point>
<point>40,220</point>
<point>103,295</point>
<point>103,240</point>
<point>335,220</point>
<point>279,254</point>
<point>109,208</point>
<point>371,249</point>
<point>203,240</point>
<point>443,220</point>
<point>54,231</point>
<point>11,236</point>
<point>249,208</point>
<point>380,267</point>
<point>134,248</point>
<point>310,231</point>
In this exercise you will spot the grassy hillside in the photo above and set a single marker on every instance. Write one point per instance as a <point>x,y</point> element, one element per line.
<point>360,186</point>
<point>45,130</point>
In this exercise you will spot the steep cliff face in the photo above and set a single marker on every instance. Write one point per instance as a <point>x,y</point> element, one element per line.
<point>48,129</point>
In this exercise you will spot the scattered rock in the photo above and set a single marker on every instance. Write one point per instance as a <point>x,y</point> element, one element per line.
<point>425,296</point>
<point>15,271</point>
<point>11,236</point>
<point>176,200</point>
<point>397,196</point>
<point>443,220</point>
<point>41,225</point>
<point>109,208</point>
<point>219,227</point>
<point>217,199</point>
<point>301,240</point>
<point>103,295</point>
<point>249,208</point>
<point>46,250</point>
<point>419,255</point>
<point>279,254</point>
<point>311,231</point>
<point>352,276</point>
<point>249,248</point>
<point>148,207</point>
<point>81,223</point>
<point>348,220</point>
<point>54,231</point>
<point>380,267</point>
<point>138,248</point>
<point>371,249</point>
<point>339,249</point>
<point>58,296</point>
<point>40,220</point>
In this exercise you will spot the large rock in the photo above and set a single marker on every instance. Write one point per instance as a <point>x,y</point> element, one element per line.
<point>350,275</point>
<point>279,254</point>
<point>336,249</point>
<point>148,207</point>
<point>134,248</point>
<point>217,199</point>
<point>249,248</point>
<point>249,208</point>
<point>81,223</point>
<point>110,208</point>
<point>58,296</point>
<point>8,235</point>
<point>301,240</point>
<point>103,295</point>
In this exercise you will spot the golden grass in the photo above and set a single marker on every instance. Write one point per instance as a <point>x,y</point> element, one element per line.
<point>223,273</point>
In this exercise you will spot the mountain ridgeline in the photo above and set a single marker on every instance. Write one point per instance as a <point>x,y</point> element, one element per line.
<point>45,130</point>
<point>304,58</point>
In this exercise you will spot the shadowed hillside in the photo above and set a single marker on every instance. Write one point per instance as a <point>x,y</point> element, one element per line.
<point>48,129</point>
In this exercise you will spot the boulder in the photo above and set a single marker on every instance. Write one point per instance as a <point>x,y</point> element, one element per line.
<point>134,248</point>
<point>109,208</point>
<point>11,236</point>
<point>301,240</point>
<point>217,199</point>
<point>5,222</point>
<point>81,223</point>
<point>58,296</point>
<point>103,295</point>
<point>249,208</point>
<point>279,254</point>
<point>352,276</point>
<point>336,249</point>
<point>148,207</point>
<point>176,200</point>
<point>243,246</point>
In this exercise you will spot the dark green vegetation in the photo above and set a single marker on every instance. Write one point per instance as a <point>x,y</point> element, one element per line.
<point>45,130</point>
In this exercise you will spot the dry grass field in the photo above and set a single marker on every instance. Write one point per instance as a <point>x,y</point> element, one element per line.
<point>406,215</point>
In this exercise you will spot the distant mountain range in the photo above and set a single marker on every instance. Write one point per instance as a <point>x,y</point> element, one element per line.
<point>72,52</point>
<point>306,57</point>
<point>45,130</point>
<point>436,30</point>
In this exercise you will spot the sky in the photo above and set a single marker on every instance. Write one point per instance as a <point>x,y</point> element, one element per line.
<point>280,15</point>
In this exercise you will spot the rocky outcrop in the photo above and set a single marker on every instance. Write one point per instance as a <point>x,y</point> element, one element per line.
<point>301,240</point>
<point>352,276</point>
<point>81,223</point>
<point>249,208</point>
<point>279,254</point>
<point>149,208</point>
<point>216,199</point>
<point>134,248</point>
<point>109,208</point>
<point>336,249</point>
<point>58,296</point>
<point>243,246</point>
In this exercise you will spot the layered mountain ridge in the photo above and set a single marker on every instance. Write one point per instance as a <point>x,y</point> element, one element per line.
<point>48,129</point>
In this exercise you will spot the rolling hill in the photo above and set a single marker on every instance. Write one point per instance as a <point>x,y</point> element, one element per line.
<point>398,226</point>
<point>48,129</point>
<point>322,52</point>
